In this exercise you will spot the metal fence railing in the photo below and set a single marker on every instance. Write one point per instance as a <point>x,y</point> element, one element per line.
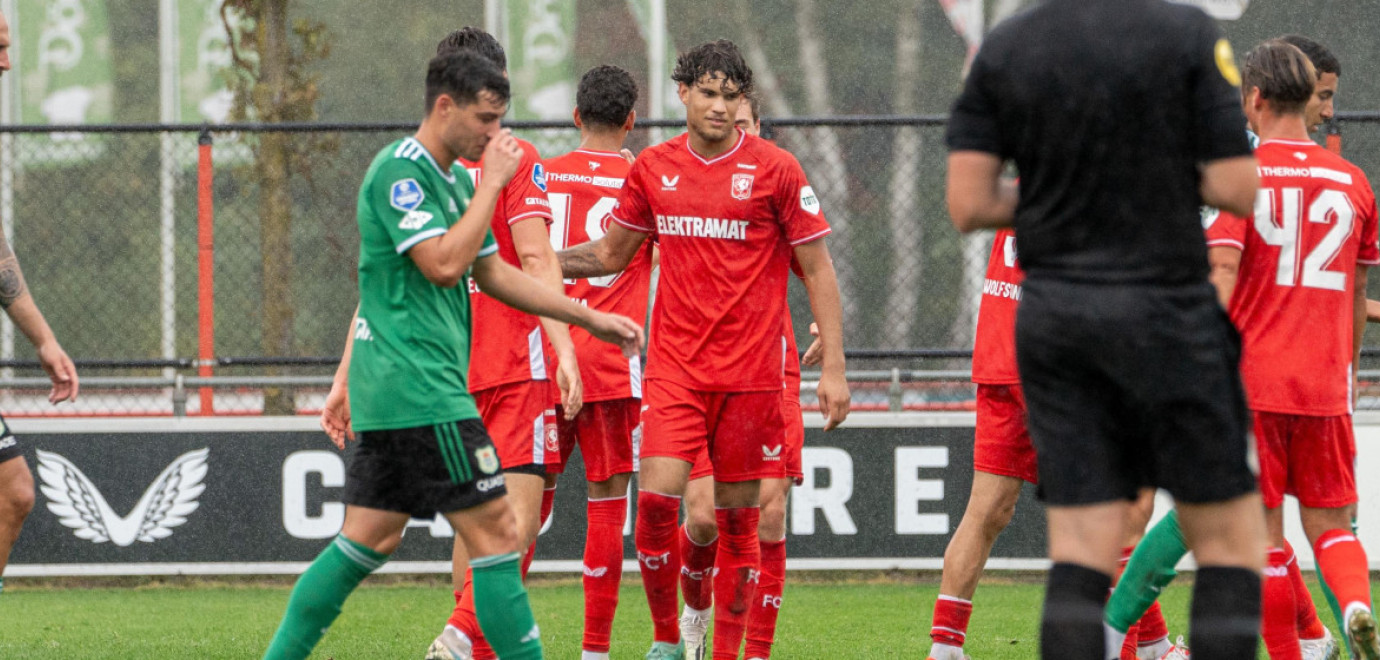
<point>125,235</point>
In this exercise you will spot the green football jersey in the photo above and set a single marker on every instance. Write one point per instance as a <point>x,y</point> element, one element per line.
<point>412,338</point>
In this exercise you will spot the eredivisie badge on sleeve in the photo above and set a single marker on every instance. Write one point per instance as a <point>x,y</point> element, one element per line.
<point>742,186</point>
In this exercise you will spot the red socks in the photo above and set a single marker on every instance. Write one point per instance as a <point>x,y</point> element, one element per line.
<point>697,570</point>
<point>950,624</point>
<point>766,604</point>
<point>603,569</point>
<point>736,582</point>
<point>548,499</point>
<point>1308,625</point>
<point>658,556</point>
<point>1279,618</point>
<point>1342,563</point>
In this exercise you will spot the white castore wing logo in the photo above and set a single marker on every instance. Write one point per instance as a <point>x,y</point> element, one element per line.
<point>166,504</point>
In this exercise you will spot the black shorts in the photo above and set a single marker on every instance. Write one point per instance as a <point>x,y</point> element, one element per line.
<point>9,445</point>
<point>1132,386</point>
<point>425,470</point>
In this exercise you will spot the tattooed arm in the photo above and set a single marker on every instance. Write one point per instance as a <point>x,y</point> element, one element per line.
<point>15,299</point>
<point>605,256</point>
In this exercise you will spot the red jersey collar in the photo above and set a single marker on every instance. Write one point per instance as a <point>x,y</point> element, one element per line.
<point>742,137</point>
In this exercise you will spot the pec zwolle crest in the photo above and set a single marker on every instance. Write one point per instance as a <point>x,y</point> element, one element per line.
<point>742,186</point>
<point>488,459</point>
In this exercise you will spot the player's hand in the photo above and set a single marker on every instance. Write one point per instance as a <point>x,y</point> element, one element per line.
<point>627,155</point>
<point>60,370</point>
<point>618,330</point>
<point>815,352</point>
<point>335,415</point>
<point>571,386</point>
<point>834,399</point>
<point>502,156</point>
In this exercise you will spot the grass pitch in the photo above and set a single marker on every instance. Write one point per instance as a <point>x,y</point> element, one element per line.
<point>881,616</point>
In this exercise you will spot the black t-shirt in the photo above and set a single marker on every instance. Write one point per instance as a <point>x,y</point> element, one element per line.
<point>1107,107</point>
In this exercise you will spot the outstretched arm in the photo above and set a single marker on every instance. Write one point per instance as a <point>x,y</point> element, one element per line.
<point>817,271</point>
<point>606,256</point>
<point>533,245</point>
<point>516,289</point>
<point>15,299</point>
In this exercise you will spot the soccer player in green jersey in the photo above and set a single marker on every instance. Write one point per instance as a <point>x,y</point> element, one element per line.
<point>401,385</point>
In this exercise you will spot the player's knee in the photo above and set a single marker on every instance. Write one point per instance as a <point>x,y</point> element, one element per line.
<point>17,500</point>
<point>771,525</point>
<point>701,526</point>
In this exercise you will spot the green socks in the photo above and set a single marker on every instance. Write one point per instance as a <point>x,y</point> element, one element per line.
<point>505,616</point>
<point>318,595</point>
<point>1151,568</point>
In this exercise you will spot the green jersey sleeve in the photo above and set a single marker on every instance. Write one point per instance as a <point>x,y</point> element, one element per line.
<point>408,204</point>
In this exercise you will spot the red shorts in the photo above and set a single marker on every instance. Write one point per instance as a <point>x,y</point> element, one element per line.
<point>604,430</point>
<point>789,468</point>
<point>522,423</point>
<point>1311,458</point>
<point>680,423</point>
<point>1002,445</point>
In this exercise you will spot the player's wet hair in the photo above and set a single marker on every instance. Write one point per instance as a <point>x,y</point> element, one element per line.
<point>462,75</point>
<point>477,40</point>
<point>1283,74</point>
<point>1323,60</point>
<point>714,58</point>
<point>606,96</point>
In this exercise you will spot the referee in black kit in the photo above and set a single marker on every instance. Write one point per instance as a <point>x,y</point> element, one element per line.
<point>1122,117</point>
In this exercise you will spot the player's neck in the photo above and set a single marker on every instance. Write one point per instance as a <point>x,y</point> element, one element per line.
<point>610,141</point>
<point>710,150</point>
<point>1281,127</point>
<point>432,142</point>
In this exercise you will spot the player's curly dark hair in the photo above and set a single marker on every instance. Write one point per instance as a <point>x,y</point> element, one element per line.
<point>606,95</point>
<point>1283,74</point>
<point>716,57</point>
<point>1323,60</point>
<point>477,40</point>
<point>462,75</point>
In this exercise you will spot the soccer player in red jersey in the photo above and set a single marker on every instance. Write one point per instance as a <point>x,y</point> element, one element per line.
<point>511,362</point>
<point>699,538</point>
<point>1295,274</point>
<point>729,211</point>
<point>583,186</point>
<point>1003,461</point>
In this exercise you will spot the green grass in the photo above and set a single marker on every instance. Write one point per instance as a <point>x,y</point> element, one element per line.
<point>882,616</point>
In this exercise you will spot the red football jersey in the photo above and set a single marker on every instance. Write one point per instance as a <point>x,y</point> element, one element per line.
<point>994,346</point>
<point>1314,222</point>
<point>726,227</point>
<point>508,345</point>
<point>583,186</point>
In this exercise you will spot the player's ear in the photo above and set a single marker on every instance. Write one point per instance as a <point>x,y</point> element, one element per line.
<point>630,121</point>
<point>576,116</point>
<point>683,90</point>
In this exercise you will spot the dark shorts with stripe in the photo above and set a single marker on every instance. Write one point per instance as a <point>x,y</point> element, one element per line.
<point>425,470</point>
<point>9,445</point>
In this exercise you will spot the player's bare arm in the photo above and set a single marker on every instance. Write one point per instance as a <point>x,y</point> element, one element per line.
<point>1224,263</point>
<point>817,272</point>
<point>978,196</point>
<point>606,256</point>
<point>516,289</point>
<point>15,299</point>
<point>1230,184</point>
<point>335,413</point>
<point>443,260</point>
<point>1373,311</point>
<point>538,259</point>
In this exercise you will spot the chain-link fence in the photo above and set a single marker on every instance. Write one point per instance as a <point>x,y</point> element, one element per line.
<point>109,229</point>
